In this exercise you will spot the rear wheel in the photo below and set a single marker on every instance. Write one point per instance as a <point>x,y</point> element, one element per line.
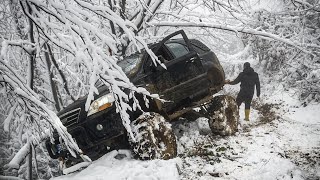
<point>154,137</point>
<point>223,115</point>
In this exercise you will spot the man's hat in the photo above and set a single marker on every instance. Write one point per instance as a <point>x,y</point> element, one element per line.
<point>246,65</point>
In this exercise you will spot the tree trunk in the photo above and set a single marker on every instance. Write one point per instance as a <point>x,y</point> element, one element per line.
<point>30,163</point>
<point>31,83</point>
<point>52,83</point>
<point>65,83</point>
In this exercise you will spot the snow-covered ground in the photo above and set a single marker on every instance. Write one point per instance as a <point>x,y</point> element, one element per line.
<point>281,141</point>
<point>285,148</point>
<point>118,165</point>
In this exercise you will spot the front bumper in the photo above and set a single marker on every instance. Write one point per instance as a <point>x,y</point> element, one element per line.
<point>88,136</point>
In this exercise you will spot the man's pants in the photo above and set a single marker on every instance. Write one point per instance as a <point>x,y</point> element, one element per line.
<point>247,101</point>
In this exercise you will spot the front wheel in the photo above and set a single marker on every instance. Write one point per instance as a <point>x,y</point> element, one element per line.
<point>223,115</point>
<point>154,138</point>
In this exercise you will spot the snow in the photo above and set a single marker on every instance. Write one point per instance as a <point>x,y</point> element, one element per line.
<point>120,165</point>
<point>76,167</point>
<point>8,119</point>
<point>23,152</point>
<point>260,153</point>
<point>10,178</point>
<point>309,115</point>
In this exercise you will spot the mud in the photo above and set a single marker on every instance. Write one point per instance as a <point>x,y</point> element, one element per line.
<point>267,111</point>
<point>307,161</point>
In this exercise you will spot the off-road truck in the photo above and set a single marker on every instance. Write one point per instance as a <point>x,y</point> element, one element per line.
<point>192,75</point>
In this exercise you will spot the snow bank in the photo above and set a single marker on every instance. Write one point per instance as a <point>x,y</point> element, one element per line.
<point>120,165</point>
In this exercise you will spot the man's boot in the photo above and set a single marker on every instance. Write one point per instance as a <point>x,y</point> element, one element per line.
<point>246,114</point>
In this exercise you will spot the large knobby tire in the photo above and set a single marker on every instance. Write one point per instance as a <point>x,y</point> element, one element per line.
<point>154,137</point>
<point>223,115</point>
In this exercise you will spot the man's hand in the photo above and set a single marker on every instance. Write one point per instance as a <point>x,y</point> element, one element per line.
<point>227,81</point>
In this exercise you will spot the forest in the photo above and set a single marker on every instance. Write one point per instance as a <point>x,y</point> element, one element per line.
<point>53,52</point>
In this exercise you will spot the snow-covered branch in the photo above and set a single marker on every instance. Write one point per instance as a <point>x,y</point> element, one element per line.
<point>78,41</point>
<point>27,95</point>
<point>75,26</point>
<point>25,45</point>
<point>232,29</point>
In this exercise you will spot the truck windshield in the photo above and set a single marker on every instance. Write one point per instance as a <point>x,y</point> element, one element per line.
<point>130,64</point>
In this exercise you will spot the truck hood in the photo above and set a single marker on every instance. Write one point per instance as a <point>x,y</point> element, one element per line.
<point>80,103</point>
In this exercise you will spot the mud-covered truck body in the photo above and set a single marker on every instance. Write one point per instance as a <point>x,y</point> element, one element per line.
<point>192,75</point>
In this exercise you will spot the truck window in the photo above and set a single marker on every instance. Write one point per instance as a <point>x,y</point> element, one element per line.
<point>177,49</point>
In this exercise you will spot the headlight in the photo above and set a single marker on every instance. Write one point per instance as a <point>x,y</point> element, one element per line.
<point>101,104</point>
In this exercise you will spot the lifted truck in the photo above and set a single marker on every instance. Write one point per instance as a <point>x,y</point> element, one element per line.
<point>192,76</point>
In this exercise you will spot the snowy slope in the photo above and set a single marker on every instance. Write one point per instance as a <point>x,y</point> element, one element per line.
<point>279,150</point>
<point>120,165</point>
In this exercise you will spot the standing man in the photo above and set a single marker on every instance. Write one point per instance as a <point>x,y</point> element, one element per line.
<point>248,79</point>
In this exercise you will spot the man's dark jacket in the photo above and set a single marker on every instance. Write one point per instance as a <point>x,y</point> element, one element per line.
<point>248,79</point>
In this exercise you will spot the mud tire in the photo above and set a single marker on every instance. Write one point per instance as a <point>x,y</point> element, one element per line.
<point>154,137</point>
<point>223,115</point>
